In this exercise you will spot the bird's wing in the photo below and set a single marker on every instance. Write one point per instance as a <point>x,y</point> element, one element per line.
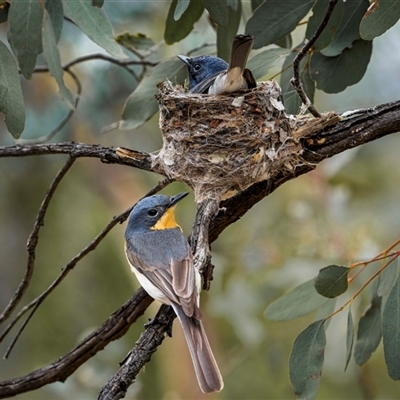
<point>170,271</point>
<point>205,84</point>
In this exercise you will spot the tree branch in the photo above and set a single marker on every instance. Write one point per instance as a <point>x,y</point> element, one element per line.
<point>137,159</point>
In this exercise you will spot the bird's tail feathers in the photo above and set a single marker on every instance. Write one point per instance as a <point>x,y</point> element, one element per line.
<point>206,368</point>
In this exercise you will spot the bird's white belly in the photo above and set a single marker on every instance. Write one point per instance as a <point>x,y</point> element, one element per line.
<point>154,292</point>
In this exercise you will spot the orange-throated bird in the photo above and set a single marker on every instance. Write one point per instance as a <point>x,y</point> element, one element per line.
<point>210,74</point>
<point>162,261</point>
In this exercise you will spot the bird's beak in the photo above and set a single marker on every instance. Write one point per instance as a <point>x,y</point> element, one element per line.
<point>175,199</point>
<point>184,59</point>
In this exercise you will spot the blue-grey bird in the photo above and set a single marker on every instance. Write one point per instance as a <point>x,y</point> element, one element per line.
<point>210,74</point>
<point>161,258</point>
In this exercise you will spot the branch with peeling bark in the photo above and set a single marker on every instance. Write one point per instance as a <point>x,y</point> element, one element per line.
<point>318,140</point>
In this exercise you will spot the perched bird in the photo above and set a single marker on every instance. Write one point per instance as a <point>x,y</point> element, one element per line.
<point>209,74</point>
<point>162,261</point>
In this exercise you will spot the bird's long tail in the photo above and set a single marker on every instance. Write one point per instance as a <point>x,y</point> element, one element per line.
<point>205,366</point>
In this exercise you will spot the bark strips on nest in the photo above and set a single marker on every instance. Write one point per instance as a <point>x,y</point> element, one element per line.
<point>221,145</point>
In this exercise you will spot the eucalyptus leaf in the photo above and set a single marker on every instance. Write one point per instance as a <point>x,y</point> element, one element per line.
<point>180,8</point>
<point>141,105</point>
<point>176,30</point>
<point>272,20</point>
<point>332,281</point>
<point>391,332</point>
<point>94,23</point>
<point>306,361</point>
<point>380,17</point>
<point>11,100</point>
<point>369,332</point>
<point>97,3</point>
<point>333,25</point>
<point>218,10</point>
<point>348,31</point>
<point>4,8</point>
<point>349,338</point>
<point>334,74</point>
<point>225,35</point>
<point>388,278</point>
<point>299,301</point>
<point>25,21</point>
<point>56,14</point>
<point>263,61</point>
<point>53,60</point>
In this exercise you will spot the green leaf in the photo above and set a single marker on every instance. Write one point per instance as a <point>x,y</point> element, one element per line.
<point>331,281</point>
<point>25,19</point>
<point>291,99</point>
<point>11,100</point>
<point>53,60</point>
<point>273,20</point>
<point>299,301</point>
<point>56,13</point>
<point>94,23</point>
<point>255,4</point>
<point>141,105</point>
<point>348,31</point>
<point>325,311</point>
<point>349,338</point>
<point>177,30</point>
<point>218,10</point>
<point>334,74</point>
<point>4,7</point>
<point>387,278</point>
<point>381,16</point>
<point>391,332</point>
<point>327,35</point>
<point>180,8</point>
<point>262,62</point>
<point>135,41</point>
<point>97,3</point>
<point>225,35</point>
<point>285,42</point>
<point>369,332</point>
<point>306,361</point>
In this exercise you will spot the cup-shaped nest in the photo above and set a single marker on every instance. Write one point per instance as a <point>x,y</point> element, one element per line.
<point>222,144</point>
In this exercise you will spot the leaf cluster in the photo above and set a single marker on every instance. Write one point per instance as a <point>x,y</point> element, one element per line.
<point>338,59</point>
<point>381,320</point>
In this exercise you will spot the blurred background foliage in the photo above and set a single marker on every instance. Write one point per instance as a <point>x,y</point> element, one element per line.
<point>344,211</point>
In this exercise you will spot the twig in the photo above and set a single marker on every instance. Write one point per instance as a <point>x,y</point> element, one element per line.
<point>33,240</point>
<point>62,123</point>
<point>296,81</point>
<point>98,56</point>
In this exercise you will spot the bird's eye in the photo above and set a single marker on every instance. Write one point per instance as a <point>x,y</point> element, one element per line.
<point>152,212</point>
<point>197,67</point>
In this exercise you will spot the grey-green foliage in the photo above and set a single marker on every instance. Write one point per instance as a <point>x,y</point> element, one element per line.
<point>338,59</point>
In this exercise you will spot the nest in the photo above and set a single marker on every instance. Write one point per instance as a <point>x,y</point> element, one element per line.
<point>220,145</point>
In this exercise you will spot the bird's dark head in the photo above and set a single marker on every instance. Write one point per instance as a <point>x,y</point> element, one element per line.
<point>202,67</point>
<point>153,213</point>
